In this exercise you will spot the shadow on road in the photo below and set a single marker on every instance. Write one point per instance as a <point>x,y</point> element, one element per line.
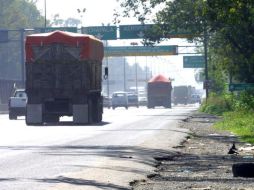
<point>82,182</point>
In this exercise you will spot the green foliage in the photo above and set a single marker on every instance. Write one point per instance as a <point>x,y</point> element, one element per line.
<point>243,101</point>
<point>69,22</point>
<point>216,105</point>
<point>229,24</point>
<point>240,123</point>
<point>19,14</point>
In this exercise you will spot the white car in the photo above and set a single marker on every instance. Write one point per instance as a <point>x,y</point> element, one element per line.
<point>17,104</point>
<point>120,99</point>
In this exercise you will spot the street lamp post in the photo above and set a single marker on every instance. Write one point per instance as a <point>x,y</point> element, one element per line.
<point>136,68</point>
<point>81,12</point>
<point>45,13</point>
<point>124,74</point>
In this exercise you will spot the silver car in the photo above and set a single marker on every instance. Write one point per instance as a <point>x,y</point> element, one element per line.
<point>119,99</point>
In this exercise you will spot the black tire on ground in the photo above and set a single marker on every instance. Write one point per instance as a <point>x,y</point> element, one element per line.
<point>243,170</point>
<point>50,118</point>
<point>97,110</point>
<point>12,116</point>
<point>90,111</point>
<point>149,106</point>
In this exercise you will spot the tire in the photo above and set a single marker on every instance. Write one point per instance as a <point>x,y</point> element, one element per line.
<point>149,106</point>
<point>51,118</point>
<point>97,117</point>
<point>243,170</point>
<point>12,116</point>
<point>90,111</point>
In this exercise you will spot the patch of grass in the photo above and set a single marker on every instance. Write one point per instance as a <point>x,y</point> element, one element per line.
<point>240,123</point>
<point>216,105</point>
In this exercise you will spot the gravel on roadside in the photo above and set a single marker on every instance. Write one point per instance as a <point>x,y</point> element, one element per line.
<point>201,162</point>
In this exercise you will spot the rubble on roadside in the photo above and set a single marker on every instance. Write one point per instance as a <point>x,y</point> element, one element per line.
<point>202,161</point>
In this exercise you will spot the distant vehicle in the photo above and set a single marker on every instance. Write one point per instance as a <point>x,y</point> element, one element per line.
<point>133,100</point>
<point>195,98</point>
<point>181,95</point>
<point>141,93</point>
<point>142,100</point>
<point>120,99</point>
<point>159,92</point>
<point>17,104</point>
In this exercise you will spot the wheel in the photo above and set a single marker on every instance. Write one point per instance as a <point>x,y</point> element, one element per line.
<point>97,110</point>
<point>149,106</point>
<point>50,118</point>
<point>243,170</point>
<point>12,116</point>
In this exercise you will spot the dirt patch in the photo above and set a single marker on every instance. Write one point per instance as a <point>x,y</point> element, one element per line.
<point>201,162</point>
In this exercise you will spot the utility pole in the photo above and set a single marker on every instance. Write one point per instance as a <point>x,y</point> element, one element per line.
<point>45,13</point>
<point>22,57</point>
<point>124,74</point>
<point>136,68</point>
<point>206,62</point>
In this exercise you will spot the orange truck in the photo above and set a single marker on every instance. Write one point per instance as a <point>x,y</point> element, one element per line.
<point>63,77</point>
<point>159,92</point>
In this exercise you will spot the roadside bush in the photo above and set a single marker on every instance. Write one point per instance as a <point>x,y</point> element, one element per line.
<point>216,104</point>
<point>243,101</point>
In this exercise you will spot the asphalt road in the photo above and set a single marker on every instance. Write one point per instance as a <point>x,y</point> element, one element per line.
<point>86,157</point>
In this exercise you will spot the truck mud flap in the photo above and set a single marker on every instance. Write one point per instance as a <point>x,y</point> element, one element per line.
<point>80,113</point>
<point>34,114</point>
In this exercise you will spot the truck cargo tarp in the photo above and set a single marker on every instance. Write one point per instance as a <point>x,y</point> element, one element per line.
<point>90,47</point>
<point>159,78</point>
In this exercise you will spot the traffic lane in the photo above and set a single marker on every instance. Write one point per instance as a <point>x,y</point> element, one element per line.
<point>16,133</point>
<point>121,164</point>
<point>35,163</point>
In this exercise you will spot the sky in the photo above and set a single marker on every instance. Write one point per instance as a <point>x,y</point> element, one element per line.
<point>100,12</point>
<point>97,11</point>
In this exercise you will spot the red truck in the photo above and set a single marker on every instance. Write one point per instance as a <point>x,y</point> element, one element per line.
<point>63,77</point>
<point>159,92</point>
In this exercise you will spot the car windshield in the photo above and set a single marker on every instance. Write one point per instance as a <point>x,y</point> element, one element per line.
<point>20,94</point>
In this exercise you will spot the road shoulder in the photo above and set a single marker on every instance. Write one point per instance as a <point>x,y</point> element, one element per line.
<point>201,162</point>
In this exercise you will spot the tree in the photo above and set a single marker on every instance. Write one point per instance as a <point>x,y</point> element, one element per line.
<point>69,22</point>
<point>229,24</point>
<point>16,14</point>
<point>19,14</point>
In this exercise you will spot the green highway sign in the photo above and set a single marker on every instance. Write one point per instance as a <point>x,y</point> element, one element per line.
<point>133,31</point>
<point>101,32</point>
<point>193,61</point>
<point>121,51</point>
<point>138,31</point>
<point>51,29</point>
<point>241,86</point>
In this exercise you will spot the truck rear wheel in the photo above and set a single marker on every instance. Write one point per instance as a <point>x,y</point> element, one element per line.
<point>80,113</point>
<point>34,114</point>
<point>12,116</point>
<point>50,118</point>
<point>95,110</point>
